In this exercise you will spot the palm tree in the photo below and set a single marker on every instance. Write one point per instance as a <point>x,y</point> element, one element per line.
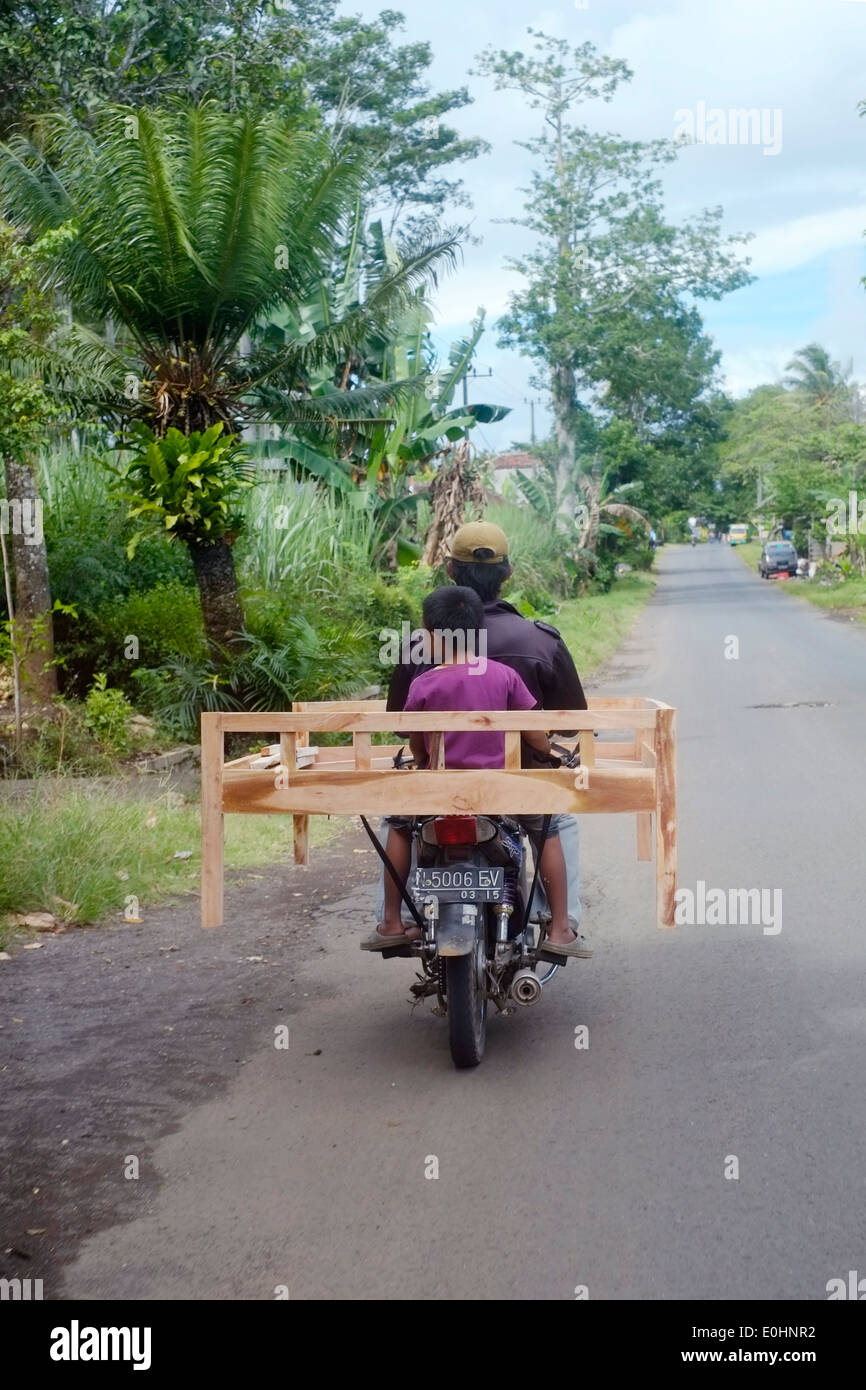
<point>813,375</point>
<point>184,229</point>
<point>598,500</point>
<point>584,524</point>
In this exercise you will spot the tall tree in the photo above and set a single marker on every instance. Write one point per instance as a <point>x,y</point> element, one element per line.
<point>223,220</point>
<point>28,351</point>
<point>603,243</point>
<point>295,57</point>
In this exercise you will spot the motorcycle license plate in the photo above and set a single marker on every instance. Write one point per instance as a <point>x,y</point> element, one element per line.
<point>460,884</point>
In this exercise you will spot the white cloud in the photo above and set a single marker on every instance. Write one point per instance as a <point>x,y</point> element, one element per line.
<point>796,243</point>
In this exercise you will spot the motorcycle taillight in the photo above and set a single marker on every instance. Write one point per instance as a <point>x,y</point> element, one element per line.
<point>455,830</point>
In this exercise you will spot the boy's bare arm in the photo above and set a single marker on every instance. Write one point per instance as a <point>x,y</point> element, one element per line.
<point>538,741</point>
<point>418,749</point>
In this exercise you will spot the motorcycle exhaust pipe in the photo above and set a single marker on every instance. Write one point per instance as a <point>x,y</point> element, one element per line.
<point>525,988</point>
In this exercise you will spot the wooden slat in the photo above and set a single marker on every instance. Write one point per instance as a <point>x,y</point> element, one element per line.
<point>361,748</point>
<point>496,792</point>
<point>301,705</point>
<point>614,750</point>
<point>427,721</point>
<point>644,819</point>
<point>512,752</point>
<point>617,702</point>
<point>586,743</point>
<point>212,821</point>
<point>288,753</point>
<point>666,817</point>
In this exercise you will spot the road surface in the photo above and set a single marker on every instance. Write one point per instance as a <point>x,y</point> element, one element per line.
<point>708,1143</point>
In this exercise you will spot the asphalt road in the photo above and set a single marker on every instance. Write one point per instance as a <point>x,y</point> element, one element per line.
<point>559,1167</point>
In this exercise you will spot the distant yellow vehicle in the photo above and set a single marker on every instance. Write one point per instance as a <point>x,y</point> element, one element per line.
<point>738,534</point>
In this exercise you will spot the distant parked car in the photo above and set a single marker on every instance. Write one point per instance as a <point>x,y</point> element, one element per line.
<point>778,557</point>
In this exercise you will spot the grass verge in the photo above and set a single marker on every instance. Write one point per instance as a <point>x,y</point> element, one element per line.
<point>593,627</point>
<point>847,598</point>
<point>80,851</point>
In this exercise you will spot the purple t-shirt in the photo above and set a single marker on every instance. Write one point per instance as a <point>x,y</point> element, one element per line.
<point>465,687</point>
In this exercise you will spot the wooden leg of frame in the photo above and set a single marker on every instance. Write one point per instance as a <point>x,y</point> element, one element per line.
<point>644,834</point>
<point>301,831</point>
<point>666,817</point>
<point>211,821</point>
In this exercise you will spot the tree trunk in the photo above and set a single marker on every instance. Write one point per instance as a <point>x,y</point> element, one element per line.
<point>220,597</point>
<point>456,484</point>
<point>34,627</point>
<point>562,383</point>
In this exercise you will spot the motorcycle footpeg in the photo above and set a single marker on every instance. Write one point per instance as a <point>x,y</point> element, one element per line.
<point>408,952</point>
<point>552,957</point>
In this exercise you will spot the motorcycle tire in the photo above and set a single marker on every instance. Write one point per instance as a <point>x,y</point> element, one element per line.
<point>467,1007</point>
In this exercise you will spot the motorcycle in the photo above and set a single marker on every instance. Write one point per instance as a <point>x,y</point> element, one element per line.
<point>469,893</point>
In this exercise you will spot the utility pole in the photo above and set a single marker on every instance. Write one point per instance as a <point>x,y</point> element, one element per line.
<point>532,402</point>
<point>464,379</point>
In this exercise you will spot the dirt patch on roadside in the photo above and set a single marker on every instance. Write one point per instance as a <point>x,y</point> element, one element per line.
<point>845,615</point>
<point>109,1034</point>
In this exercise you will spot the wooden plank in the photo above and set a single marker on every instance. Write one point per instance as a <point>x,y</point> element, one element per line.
<point>512,752</point>
<point>617,702</point>
<point>212,820</point>
<point>614,750</point>
<point>666,817</point>
<point>496,792</point>
<point>301,705</point>
<point>427,721</point>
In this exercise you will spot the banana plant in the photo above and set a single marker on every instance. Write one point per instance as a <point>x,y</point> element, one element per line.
<point>379,462</point>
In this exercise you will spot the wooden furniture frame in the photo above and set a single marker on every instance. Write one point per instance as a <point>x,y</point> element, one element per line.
<point>633,772</point>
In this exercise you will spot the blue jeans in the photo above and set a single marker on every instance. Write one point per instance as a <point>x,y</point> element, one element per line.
<point>566,826</point>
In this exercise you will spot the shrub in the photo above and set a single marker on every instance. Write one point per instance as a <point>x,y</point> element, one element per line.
<point>62,743</point>
<point>107,715</point>
<point>177,692</point>
<point>166,620</point>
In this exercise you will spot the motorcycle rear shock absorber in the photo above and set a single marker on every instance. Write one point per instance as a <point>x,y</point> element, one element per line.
<point>507,906</point>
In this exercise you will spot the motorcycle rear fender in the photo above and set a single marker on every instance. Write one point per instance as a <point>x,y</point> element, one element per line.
<point>457,928</point>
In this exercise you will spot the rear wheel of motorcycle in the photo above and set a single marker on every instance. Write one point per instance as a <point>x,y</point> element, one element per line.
<point>467,1007</point>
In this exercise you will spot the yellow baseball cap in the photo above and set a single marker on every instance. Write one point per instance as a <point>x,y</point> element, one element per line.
<point>479,543</point>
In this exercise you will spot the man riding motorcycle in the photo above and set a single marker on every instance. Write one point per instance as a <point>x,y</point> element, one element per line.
<point>478,559</point>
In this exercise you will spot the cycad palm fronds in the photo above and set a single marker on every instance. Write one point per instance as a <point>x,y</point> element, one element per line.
<point>186,227</point>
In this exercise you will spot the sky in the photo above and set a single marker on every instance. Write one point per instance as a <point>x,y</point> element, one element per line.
<point>799,188</point>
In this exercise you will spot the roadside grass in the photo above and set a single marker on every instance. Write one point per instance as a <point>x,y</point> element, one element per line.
<point>593,627</point>
<point>751,553</point>
<point>80,851</point>
<point>848,597</point>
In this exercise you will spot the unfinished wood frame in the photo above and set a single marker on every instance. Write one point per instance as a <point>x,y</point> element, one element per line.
<point>633,770</point>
